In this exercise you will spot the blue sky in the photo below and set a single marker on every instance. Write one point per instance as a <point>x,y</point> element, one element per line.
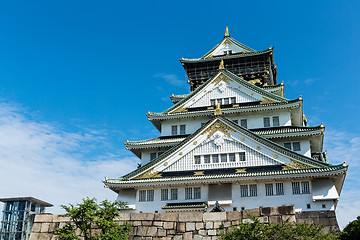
<point>77,77</point>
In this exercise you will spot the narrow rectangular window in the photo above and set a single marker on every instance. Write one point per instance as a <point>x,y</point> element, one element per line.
<point>226,101</point>
<point>279,188</point>
<point>207,159</point>
<point>174,130</point>
<point>266,122</point>
<point>243,123</point>
<point>269,190</point>
<point>295,188</point>
<point>188,193</point>
<point>223,157</point>
<point>212,102</point>
<point>244,190</point>
<point>197,160</point>
<point>174,194</point>
<point>182,129</point>
<point>215,158</point>
<point>197,192</point>
<point>152,156</point>
<point>150,195</point>
<point>142,195</point>
<point>164,194</point>
<point>242,156</point>
<point>253,190</point>
<point>219,101</point>
<point>276,121</point>
<point>233,100</point>
<point>296,146</point>
<point>232,157</point>
<point>287,145</point>
<point>305,187</point>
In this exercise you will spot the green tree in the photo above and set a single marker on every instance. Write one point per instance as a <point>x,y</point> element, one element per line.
<point>90,215</point>
<point>351,231</point>
<point>256,230</point>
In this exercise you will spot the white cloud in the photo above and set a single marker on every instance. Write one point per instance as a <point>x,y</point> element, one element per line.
<point>172,79</point>
<point>345,147</point>
<point>41,160</point>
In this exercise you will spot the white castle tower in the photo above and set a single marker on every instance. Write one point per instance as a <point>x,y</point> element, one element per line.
<point>234,142</point>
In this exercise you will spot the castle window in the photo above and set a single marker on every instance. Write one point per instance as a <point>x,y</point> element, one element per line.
<point>188,193</point>
<point>233,100</point>
<point>308,206</point>
<point>174,130</point>
<point>279,188</point>
<point>197,160</point>
<point>223,157</point>
<point>193,193</point>
<point>242,156</point>
<point>174,193</point>
<point>226,101</point>
<point>215,158</point>
<point>207,159</point>
<point>305,187</point>
<point>323,206</point>
<point>287,145</point>
<point>269,191</point>
<point>244,190</point>
<point>232,157</point>
<point>243,123</point>
<point>142,195</point>
<point>266,122</point>
<point>150,195</point>
<point>296,146</point>
<point>276,121</point>
<point>152,156</point>
<point>253,190</point>
<point>164,194</point>
<point>197,193</point>
<point>182,129</point>
<point>212,102</point>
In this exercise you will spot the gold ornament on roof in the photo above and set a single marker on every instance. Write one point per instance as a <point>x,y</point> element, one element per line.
<point>242,170</point>
<point>227,32</point>
<point>221,66</point>
<point>218,126</point>
<point>199,173</point>
<point>217,110</point>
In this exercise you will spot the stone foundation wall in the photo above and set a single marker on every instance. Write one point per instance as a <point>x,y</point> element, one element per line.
<point>188,225</point>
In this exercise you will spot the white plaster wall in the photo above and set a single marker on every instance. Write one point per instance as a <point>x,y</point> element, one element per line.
<point>299,201</point>
<point>305,148</point>
<point>145,154</point>
<point>253,121</point>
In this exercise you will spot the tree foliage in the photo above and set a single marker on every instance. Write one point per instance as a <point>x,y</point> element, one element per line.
<point>89,215</point>
<point>256,230</point>
<point>351,231</point>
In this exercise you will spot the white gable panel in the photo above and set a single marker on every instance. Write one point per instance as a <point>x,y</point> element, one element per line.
<point>221,91</point>
<point>227,46</point>
<point>253,158</point>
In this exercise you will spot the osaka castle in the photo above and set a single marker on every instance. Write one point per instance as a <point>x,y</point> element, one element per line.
<point>234,142</point>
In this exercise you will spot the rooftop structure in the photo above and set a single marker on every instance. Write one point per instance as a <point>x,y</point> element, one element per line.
<point>234,142</point>
<point>18,216</point>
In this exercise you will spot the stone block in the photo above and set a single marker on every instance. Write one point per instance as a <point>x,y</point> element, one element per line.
<point>202,232</point>
<point>211,232</point>
<point>206,238</point>
<point>136,223</point>
<point>151,231</point>
<point>170,232</point>
<point>247,220</point>
<point>199,225</point>
<point>290,217</point>
<point>217,225</point>
<point>124,216</point>
<point>161,232</point>
<point>209,225</point>
<point>141,216</point>
<point>137,238</point>
<point>180,227</point>
<point>234,222</point>
<point>34,236</point>
<point>198,237</point>
<point>171,217</point>
<point>190,217</point>
<point>166,238</point>
<point>61,218</point>
<point>141,230</point>
<point>45,227</point>
<point>227,224</point>
<point>146,223</point>
<point>215,238</point>
<point>168,225</point>
<point>158,223</point>
<point>190,226</point>
<point>214,216</point>
<point>275,219</point>
<point>148,238</point>
<point>45,236</point>
<point>36,227</point>
<point>264,219</point>
<point>188,236</point>
<point>286,210</point>
<point>44,218</point>
<point>254,212</point>
<point>234,215</point>
<point>178,237</point>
